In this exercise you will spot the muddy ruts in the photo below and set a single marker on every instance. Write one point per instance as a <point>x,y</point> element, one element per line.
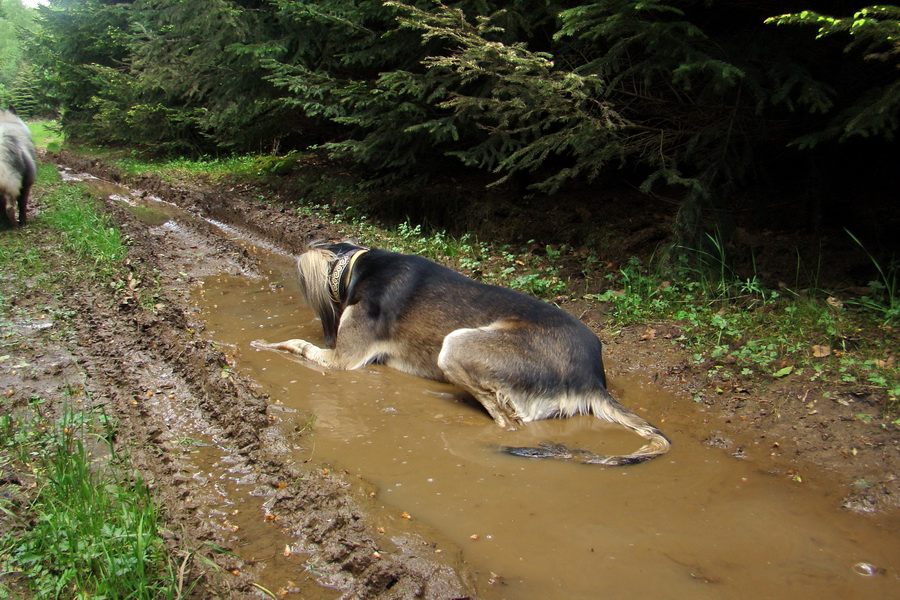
<point>122,338</point>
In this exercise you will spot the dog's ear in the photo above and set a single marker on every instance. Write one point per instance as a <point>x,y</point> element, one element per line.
<point>319,245</point>
<point>347,246</point>
<point>336,247</point>
<point>314,266</point>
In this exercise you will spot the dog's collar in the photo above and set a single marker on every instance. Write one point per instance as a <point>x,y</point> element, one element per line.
<point>340,269</point>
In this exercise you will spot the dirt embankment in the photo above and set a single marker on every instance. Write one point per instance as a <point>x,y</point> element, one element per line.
<point>146,363</point>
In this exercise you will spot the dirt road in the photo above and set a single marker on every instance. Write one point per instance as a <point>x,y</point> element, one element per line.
<point>196,428</point>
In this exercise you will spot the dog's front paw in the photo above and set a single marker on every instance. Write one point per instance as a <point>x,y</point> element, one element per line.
<point>293,346</point>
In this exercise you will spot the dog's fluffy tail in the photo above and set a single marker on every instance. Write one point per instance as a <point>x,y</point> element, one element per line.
<point>608,408</point>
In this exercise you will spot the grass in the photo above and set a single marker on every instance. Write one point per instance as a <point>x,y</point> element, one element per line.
<point>885,296</point>
<point>739,329</point>
<point>70,229</point>
<point>91,530</point>
<point>46,134</point>
<point>88,235</point>
<point>176,169</point>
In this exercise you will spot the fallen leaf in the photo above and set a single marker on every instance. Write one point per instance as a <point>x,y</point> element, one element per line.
<point>821,351</point>
<point>886,363</point>
<point>783,372</point>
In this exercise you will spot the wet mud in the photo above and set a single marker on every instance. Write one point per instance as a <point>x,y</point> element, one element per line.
<point>376,484</point>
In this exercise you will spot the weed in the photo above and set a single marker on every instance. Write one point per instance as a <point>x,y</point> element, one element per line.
<point>306,424</point>
<point>178,168</point>
<point>88,233</point>
<point>755,330</point>
<point>93,527</point>
<point>643,296</point>
<point>46,134</point>
<point>885,297</point>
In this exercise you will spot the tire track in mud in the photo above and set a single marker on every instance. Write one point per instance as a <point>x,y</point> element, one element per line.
<point>151,367</point>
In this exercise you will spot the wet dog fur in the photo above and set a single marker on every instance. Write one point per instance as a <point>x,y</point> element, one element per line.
<point>521,358</point>
<point>18,169</point>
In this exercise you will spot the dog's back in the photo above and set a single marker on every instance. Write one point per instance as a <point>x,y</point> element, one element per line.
<point>417,303</point>
<point>18,169</point>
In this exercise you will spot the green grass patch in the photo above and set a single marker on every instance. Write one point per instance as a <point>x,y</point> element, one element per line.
<point>46,134</point>
<point>92,530</point>
<point>70,224</point>
<point>20,257</point>
<point>740,329</point>
<point>176,169</point>
<point>88,234</point>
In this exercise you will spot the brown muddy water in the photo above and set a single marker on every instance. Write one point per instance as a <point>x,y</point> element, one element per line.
<point>696,523</point>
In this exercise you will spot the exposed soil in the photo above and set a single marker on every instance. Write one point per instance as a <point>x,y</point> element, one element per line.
<point>142,362</point>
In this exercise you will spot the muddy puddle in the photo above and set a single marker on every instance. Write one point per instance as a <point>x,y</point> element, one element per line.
<point>696,523</point>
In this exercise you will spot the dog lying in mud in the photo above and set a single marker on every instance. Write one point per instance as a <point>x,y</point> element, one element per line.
<point>18,169</point>
<point>521,358</point>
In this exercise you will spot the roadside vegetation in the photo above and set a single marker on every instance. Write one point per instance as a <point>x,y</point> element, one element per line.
<point>90,529</point>
<point>722,107</point>
<point>79,522</point>
<point>738,329</point>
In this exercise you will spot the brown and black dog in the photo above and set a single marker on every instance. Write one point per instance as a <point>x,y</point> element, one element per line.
<point>521,358</point>
<point>18,169</point>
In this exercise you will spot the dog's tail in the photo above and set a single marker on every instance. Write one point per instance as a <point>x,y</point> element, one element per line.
<point>606,407</point>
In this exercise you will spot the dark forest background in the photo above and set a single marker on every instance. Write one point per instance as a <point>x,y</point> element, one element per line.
<point>739,113</point>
